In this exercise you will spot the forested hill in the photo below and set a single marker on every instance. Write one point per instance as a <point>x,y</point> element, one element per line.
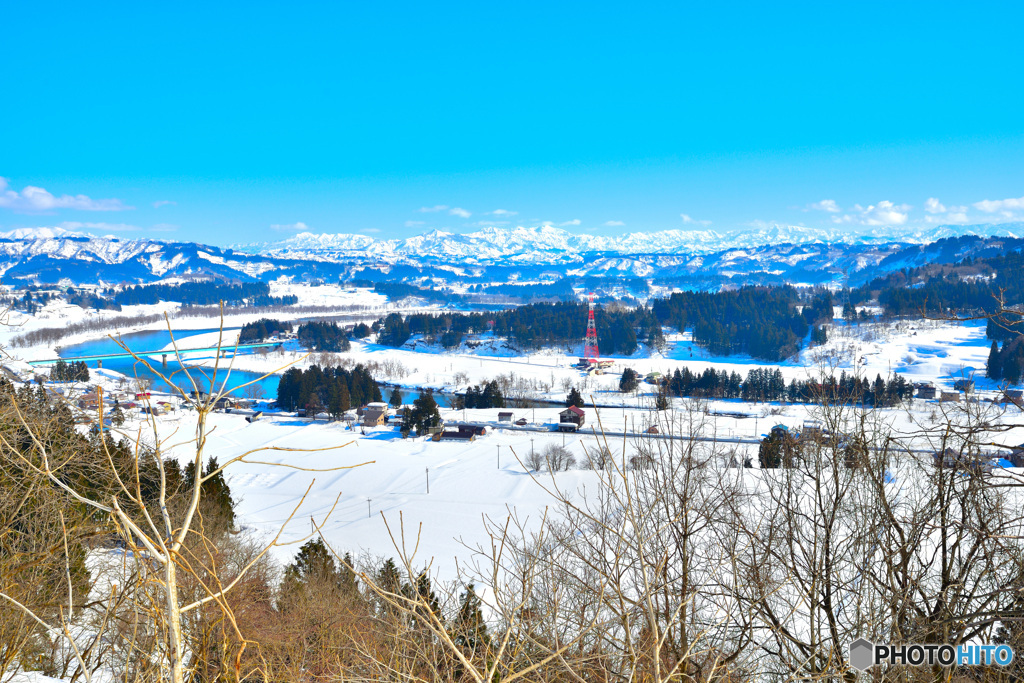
<point>766,322</point>
<point>761,321</point>
<point>972,285</point>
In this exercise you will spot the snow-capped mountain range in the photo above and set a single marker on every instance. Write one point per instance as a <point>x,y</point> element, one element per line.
<point>695,258</point>
<point>552,245</point>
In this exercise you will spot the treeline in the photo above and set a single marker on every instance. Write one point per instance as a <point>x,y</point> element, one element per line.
<point>401,290</point>
<point>333,390</point>
<point>763,322</point>
<point>205,294</point>
<point>532,326</point>
<point>766,385</point>
<point>85,299</point>
<point>323,336</point>
<point>33,302</point>
<point>52,335</point>
<point>261,330</point>
<point>75,371</point>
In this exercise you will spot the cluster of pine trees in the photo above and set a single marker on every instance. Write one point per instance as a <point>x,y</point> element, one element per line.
<point>316,576</point>
<point>261,330</point>
<point>333,390</point>
<point>205,294</point>
<point>766,385</point>
<point>486,396</point>
<point>323,336</point>
<point>1007,363</point>
<point>761,321</point>
<point>33,302</point>
<point>75,371</point>
<point>630,380</point>
<point>393,330</point>
<point>86,299</point>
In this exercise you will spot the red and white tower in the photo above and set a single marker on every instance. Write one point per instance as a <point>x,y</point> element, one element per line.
<point>590,341</point>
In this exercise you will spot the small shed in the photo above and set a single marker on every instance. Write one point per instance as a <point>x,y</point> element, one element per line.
<point>506,416</point>
<point>255,416</point>
<point>574,415</point>
<point>521,422</point>
<point>1014,396</point>
<point>653,429</point>
<point>949,397</point>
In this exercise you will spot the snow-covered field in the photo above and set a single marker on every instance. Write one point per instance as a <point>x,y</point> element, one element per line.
<point>385,476</point>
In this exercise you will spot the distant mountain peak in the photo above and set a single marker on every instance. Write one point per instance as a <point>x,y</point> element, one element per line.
<point>39,234</point>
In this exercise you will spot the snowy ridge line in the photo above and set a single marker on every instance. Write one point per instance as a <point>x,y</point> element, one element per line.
<point>496,242</point>
<point>705,258</point>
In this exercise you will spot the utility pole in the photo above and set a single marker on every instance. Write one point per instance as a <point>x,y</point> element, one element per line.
<point>368,515</point>
<point>428,481</point>
<point>499,456</point>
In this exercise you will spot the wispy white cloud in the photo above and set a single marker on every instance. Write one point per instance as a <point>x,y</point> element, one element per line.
<point>461,213</point>
<point>432,209</point>
<point>613,224</point>
<point>370,231</point>
<point>574,221</point>
<point>35,199</point>
<point>828,205</point>
<point>687,220</point>
<point>163,227</point>
<point>504,212</point>
<point>883,213</point>
<point>940,213</point>
<point>414,224</point>
<point>164,202</point>
<point>105,227</point>
<point>1000,205</point>
<point>489,224</point>
<point>298,226</point>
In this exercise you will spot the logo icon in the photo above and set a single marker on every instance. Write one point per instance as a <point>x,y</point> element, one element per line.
<point>862,654</point>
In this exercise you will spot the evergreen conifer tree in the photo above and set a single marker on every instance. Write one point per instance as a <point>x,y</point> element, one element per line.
<point>575,398</point>
<point>469,630</point>
<point>395,401</point>
<point>995,364</point>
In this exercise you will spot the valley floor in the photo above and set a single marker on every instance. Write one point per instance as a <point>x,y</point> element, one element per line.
<point>381,477</point>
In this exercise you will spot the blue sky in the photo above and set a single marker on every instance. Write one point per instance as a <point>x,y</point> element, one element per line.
<point>214,122</point>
